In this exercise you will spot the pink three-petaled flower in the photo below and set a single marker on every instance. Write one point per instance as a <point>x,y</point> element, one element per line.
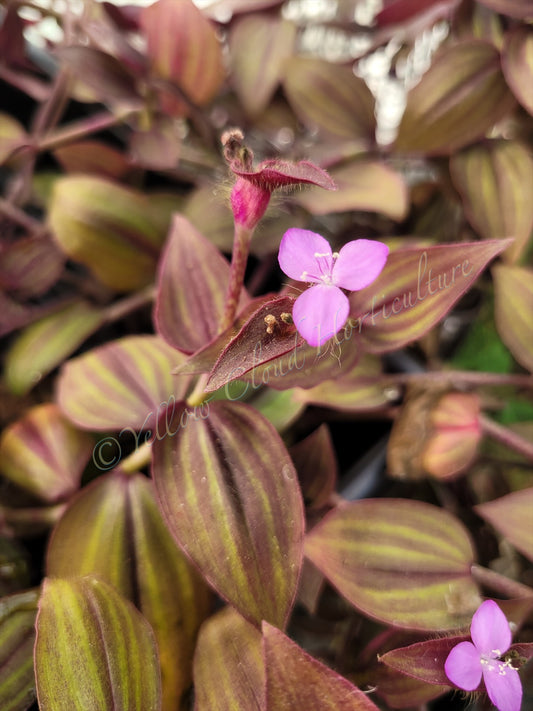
<point>321,311</point>
<point>469,661</point>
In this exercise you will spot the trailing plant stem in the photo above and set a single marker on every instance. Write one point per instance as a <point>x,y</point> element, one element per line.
<point>500,583</point>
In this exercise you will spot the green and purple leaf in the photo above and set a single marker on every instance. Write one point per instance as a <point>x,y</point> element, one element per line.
<point>296,680</point>
<point>404,563</point>
<point>93,158</point>
<point>183,49</point>
<point>106,76</point>
<point>43,345</point>
<point>369,186</point>
<point>44,454</point>
<point>229,494</point>
<point>416,289</point>
<point>457,101</point>
<point>259,44</point>
<point>331,98</point>
<point>232,646</point>
<point>17,638</point>
<point>495,180</point>
<point>113,529</point>
<point>105,656</point>
<point>513,305</point>
<point>192,284</point>
<point>30,266</point>
<point>511,517</point>
<point>106,227</point>
<point>123,384</point>
<point>517,64</point>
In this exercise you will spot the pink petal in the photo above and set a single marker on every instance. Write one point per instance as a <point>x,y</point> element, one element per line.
<point>297,254</point>
<point>503,686</point>
<point>463,666</point>
<point>320,312</point>
<point>359,263</point>
<point>490,630</point>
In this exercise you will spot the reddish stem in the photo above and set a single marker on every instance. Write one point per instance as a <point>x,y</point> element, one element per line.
<point>239,259</point>
<point>506,436</point>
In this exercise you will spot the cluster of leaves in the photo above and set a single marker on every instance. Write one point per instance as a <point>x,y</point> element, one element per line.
<point>166,432</point>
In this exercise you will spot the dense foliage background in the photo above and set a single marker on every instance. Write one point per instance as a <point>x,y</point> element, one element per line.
<point>197,509</point>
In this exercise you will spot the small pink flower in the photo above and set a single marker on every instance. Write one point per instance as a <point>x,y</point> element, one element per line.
<point>321,311</point>
<point>467,662</point>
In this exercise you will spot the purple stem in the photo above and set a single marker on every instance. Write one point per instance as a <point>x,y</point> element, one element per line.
<point>239,259</point>
<point>499,583</point>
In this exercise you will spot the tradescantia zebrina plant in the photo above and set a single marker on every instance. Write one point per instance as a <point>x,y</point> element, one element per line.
<point>267,421</point>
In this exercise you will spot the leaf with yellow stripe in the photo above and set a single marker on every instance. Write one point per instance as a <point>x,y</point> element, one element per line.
<point>183,49</point>
<point>331,98</point>
<point>259,45</point>
<point>192,284</point>
<point>229,494</point>
<point>295,680</point>
<point>44,454</point>
<point>105,656</point>
<point>365,185</point>
<point>123,384</point>
<point>113,529</point>
<point>457,101</point>
<point>513,311</point>
<point>495,180</point>
<point>417,288</point>
<point>232,646</point>
<point>404,563</point>
<point>106,227</point>
<point>511,516</point>
<point>43,345</point>
<point>17,637</point>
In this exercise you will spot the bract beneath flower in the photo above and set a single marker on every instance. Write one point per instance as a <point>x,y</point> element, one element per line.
<point>321,311</point>
<point>469,661</point>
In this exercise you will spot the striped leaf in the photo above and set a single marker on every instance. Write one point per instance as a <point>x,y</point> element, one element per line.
<point>124,384</point>
<point>417,287</point>
<point>355,388</point>
<point>232,646</point>
<point>93,650</point>
<point>513,300</point>
<point>423,660</point>
<point>369,186</point>
<point>17,637</point>
<point>404,563</point>
<point>94,157</point>
<point>297,681</point>
<point>511,517</point>
<point>259,44</point>
<point>43,345</point>
<point>44,454</point>
<point>192,284</point>
<point>457,101</point>
<point>106,227</point>
<point>113,529</point>
<point>229,493</point>
<point>30,266</point>
<point>183,48</point>
<point>331,98</point>
<point>517,64</point>
<point>495,180</point>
